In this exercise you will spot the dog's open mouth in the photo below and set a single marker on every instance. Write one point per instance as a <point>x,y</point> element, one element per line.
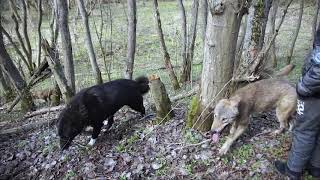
<point>215,137</point>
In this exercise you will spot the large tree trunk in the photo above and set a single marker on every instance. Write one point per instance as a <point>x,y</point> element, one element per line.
<point>203,17</point>
<point>89,44</point>
<point>132,22</point>
<point>251,46</point>
<point>272,55</point>
<point>219,53</point>
<point>167,61</point>
<point>66,43</point>
<point>16,79</point>
<point>296,33</point>
<point>186,66</point>
<point>184,38</point>
<point>56,68</point>
<point>315,21</point>
<point>25,32</point>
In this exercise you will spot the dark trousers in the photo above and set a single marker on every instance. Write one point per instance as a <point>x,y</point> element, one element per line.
<point>306,135</point>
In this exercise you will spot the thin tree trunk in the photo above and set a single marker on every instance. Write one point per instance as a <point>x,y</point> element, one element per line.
<point>16,79</point>
<point>219,53</point>
<point>315,21</point>
<point>272,54</point>
<point>204,16</point>
<point>132,22</point>
<point>186,66</point>
<point>267,6</point>
<point>39,29</point>
<point>25,32</point>
<point>296,33</point>
<point>167,61</point>
<point>66,43</point>
<point>184,38</point>
<point>89,44</point>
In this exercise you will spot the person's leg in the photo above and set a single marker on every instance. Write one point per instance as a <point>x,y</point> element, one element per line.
<point>304,133</point>
<point>314,166</point>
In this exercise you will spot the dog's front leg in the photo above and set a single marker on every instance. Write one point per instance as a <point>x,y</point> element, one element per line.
<point>110,122</point>
<point>231,138</point>
<point>95,134</point>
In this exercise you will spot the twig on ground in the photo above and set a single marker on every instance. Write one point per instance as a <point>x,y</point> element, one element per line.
<point>192,145</point>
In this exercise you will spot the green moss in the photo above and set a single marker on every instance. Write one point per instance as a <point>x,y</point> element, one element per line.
<point>193,111</point>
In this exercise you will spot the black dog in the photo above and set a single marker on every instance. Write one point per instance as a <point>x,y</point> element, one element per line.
<point>91,106</point>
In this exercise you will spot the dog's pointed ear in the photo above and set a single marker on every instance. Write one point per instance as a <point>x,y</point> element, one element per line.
<point>235,101</point>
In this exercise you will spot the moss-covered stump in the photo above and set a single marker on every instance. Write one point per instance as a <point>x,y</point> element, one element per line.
<point>160,99</point>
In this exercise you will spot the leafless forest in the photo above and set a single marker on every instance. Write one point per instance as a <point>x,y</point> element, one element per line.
<point>195,51</point>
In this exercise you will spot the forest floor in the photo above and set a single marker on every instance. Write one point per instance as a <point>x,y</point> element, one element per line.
<point>137,148</point>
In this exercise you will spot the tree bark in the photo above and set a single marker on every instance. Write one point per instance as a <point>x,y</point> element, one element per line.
<point>39,30</point>
<point>204,16</point>
<point>267,6</point>
<point>219,53</point>
<point>66,44</point>
<point>56,68</point>
<point>184,38</point>
<point>161,100</point>
<point>25,32</point>
<point>252,40</point>
<point>296,33</point>
<point>16,79</point>
<point>186,66</point>
<point>132,22</point>
<point>272,54</point>
<point>315,21</point>
<point>8,91</point>
<point>167,61</point>
<point>89,44</point>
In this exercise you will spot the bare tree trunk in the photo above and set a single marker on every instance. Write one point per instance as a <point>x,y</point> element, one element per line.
<point>219,53</point>
<point>66,43</point>
<point>8,91</point>
<point>39,29</point>
<point>16,79</point>
<point>296,33</point>
<point>186,66</point>
<point>272,54</point>
<point>167,61</point>
<point>132,22</point>
<point>55,66</point>
<point>89,44</point>
<point>25,32</point>
<point>204,16</point>
<point>184,37</point>
<point>242,33</point>
<point>267,6</point>
<point>315,21</point>
<point>251,46</point>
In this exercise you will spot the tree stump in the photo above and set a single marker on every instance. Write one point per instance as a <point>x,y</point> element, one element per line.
<point>161,99</point>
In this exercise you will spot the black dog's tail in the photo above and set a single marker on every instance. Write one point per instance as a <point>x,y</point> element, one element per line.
<point>143,84</point>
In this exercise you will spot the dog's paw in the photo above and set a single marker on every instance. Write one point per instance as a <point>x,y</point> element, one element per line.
<point>223,151</point>
<point>277,132</point>
<point>92,142</point>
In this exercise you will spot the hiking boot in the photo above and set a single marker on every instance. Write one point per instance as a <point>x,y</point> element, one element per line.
<point>284,170</point>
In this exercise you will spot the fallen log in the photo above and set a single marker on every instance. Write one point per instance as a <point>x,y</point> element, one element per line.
<point>184,95</point>
<point>43,111</point>
<point>28,127</point>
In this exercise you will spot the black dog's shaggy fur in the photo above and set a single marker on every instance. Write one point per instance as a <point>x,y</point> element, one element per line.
<point>91,106</point>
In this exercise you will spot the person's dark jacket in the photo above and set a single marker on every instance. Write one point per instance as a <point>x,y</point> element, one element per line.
<point>309,84</point>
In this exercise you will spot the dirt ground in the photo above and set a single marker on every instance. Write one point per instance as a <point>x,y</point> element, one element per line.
<point>136,148</point>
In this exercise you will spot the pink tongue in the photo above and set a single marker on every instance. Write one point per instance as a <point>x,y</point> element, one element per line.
<point>215,137</point>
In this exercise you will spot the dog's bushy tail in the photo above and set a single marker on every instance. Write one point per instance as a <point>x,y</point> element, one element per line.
<point>143,82</point>
<point>285,70</point>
